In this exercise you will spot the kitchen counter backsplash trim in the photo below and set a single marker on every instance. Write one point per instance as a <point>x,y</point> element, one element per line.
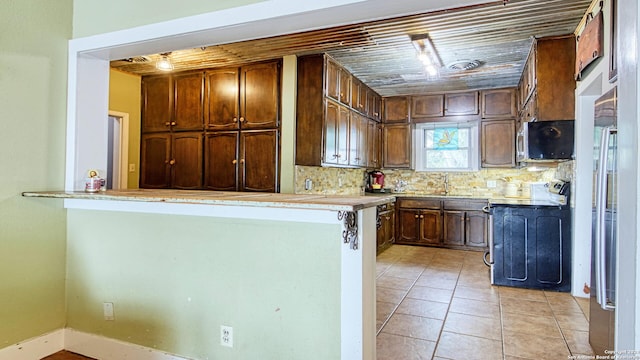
<point>342,181</point>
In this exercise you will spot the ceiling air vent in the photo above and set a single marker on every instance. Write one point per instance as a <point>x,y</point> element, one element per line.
<point>139,59</point>
<point>463,65</point>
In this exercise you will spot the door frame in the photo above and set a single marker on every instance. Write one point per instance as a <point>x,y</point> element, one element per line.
<point>123,158</point>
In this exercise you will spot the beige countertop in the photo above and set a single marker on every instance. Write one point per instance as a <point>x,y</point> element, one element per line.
<point>526,201</point>
<point>296,201</point>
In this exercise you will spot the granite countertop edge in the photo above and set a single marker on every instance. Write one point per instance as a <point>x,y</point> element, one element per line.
<point>225,198</point>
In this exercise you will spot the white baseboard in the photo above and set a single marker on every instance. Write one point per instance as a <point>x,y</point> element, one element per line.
<point>104,348</point>
<point>95,346</point>
<point>35,348</point>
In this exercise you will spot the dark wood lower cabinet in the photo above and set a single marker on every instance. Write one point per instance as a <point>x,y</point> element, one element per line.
<point>242,161</point>
<point>386,220</point>
<point>465,228</point>
<point>455,223</point>
<point>419,226</point>
<point>259,154</point>
<point>171,160</point>
<point>221,159</point>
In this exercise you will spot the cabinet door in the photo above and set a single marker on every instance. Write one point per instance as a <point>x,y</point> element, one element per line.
<point>260,96</point>
<point>461,104</point>
<point>155,155</point>
<point>188,102</point>
<point>454,228</point>
<point>345,86</point>
<point>500,103</point>
<point>408,226</point>
<point>397,146</point>
<point>156,103</point>
<point>336,139</point>
<point>259,160</point>
<point>374,104</point>
<point>222,90</point>
<point>498,143</point>
<point>426,106</point>
<point>374,142</point>
<point>221,161</point>
<point>332,79</point>
<point>358,140</point>
<point>186,167</point>
<point>385,229</point>
<point>430,227</point>
<point>396,109</point>
<point>358,95</point>
<point>476,229</point>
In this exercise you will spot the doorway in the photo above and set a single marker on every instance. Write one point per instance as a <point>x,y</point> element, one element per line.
<point>118,150</point>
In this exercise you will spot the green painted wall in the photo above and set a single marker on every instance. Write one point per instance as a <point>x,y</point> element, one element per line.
<point>33,70</point>
<point>124,96</point>
<point>93,17</point>
<point>174,280</point>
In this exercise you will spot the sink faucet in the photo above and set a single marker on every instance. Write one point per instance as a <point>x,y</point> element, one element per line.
<point>446,184</point>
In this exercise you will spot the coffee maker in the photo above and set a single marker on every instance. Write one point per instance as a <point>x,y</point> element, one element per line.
<point>375,181</point>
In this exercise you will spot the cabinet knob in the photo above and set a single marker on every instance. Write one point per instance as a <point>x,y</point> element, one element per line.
<point>421,216</point>
<point>241,161</point>
<point>234,161</point>
<point>241,119</point>
<point>416,216</point>
<point>235,119</point>
<point>172,162</point>
<point>167,123</point>
<point>173,123</point>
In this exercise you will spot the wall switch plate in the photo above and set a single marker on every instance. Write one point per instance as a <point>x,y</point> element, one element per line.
<point>226,336</point>
<point>107,309</point>
<point>308,184</point>
<point>491,184</point>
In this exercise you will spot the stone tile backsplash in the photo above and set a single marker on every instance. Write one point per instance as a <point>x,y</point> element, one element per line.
<point>343,181</point>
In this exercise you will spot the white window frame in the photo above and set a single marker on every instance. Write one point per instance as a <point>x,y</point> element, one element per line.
<point>419,150</point>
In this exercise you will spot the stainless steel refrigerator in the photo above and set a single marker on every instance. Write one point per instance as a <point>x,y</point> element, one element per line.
<point>604,238</point>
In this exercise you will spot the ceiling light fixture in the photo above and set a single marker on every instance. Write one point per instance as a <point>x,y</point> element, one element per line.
<point>164,63</point>
<point>427,53</point>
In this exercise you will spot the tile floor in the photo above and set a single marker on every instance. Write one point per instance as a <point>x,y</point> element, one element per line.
<point>439,304</point>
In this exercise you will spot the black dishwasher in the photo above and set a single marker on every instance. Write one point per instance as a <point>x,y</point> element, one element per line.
<point>531,246</point>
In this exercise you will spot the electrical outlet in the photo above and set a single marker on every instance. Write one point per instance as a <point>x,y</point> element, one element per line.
<point>226,336</point>
<point>308,184</point>
<point>132,167</point>
<point>491,184</point>
<point>107,310</point>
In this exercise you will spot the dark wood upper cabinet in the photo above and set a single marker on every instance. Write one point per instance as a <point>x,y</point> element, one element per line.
<point>397,146</point>
<point>157,102</point>
<point>222,101</point>
<point>498,139</point>
<point>498,103</point>
<point>188,102</point>
<point>325,124</point>
<point>336,134</point>
<point>456,104</point>
<point>396,109</point>
<point>260,95</point>
<point>426,106</point>
<point>547,86</point>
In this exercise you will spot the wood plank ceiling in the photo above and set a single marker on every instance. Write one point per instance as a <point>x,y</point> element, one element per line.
<point>380,53</point>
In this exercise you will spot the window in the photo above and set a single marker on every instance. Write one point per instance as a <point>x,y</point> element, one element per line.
<point>446,147</point>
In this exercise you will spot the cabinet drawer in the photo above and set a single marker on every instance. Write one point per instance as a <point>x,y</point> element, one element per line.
<point>420,203</point>
<point>464,204</point>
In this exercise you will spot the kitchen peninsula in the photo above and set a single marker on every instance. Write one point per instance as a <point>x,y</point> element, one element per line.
<point>294,275</point>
